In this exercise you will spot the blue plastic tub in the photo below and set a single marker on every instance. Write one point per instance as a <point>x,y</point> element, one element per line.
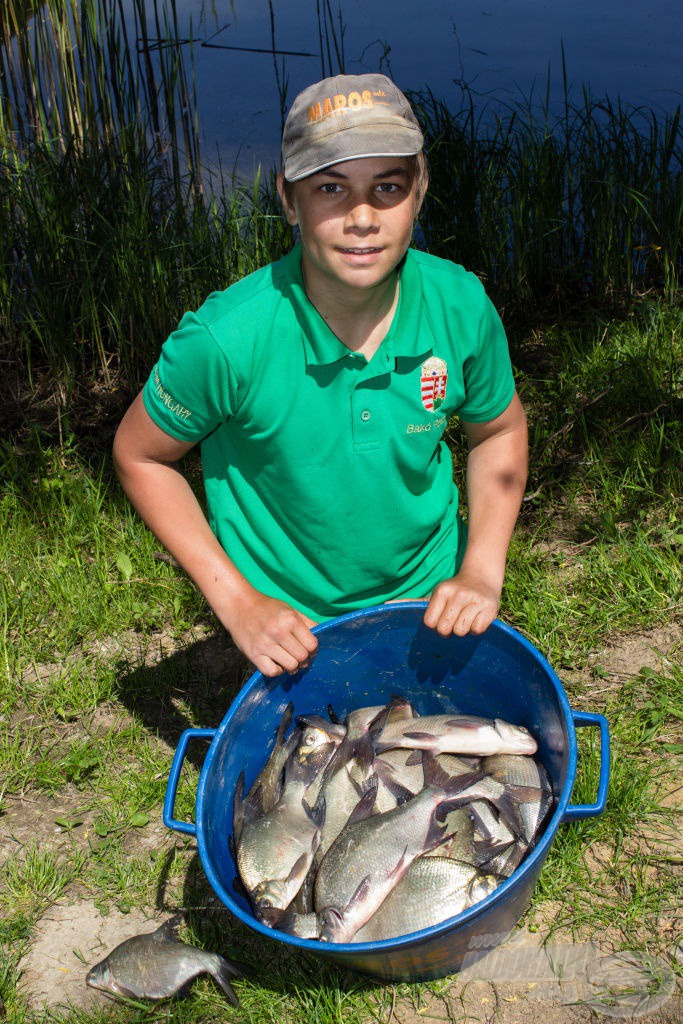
<point>363,659</point>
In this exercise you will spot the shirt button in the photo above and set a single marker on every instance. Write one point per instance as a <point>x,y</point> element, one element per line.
<point>365,415</point>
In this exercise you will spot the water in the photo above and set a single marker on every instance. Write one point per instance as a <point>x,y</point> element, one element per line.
<point>505,50</point>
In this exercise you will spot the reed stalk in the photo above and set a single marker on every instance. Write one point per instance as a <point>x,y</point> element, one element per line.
<point>582,205</point>
<point>110,225</point>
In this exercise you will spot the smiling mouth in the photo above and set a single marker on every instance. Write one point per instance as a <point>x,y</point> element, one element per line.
<point>360,252</point>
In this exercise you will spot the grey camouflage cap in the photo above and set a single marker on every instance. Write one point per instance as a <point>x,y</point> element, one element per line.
<point>344,118</point>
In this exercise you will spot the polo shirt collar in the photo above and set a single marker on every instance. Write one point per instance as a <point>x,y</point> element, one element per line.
<point>409,333</point>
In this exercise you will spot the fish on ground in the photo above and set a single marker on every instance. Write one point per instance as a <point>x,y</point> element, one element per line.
<point>158,965</point>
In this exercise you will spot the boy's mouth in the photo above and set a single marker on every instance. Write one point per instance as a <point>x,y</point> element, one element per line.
<point>354,251</point>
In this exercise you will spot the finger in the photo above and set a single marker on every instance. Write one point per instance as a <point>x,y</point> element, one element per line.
<point>304,636</point>
<point>266,666</point>
<point>449,620</point>
<point>482,621</point>
<point>434,610</point>
<point>287,660</point>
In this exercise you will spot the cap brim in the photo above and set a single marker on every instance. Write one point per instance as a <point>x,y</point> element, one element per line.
<point>353,143</point>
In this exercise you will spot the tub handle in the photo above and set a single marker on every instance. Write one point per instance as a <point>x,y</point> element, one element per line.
<point>576,811</point>
<point>188,827</point>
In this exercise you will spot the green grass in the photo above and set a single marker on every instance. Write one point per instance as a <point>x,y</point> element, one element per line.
<point>93,705</point>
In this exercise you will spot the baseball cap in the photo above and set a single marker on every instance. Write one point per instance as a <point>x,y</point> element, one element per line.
<point>346,117</point>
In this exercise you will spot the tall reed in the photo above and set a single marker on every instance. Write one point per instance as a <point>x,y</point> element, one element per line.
<point>109,224</point>
<point>586,203</point>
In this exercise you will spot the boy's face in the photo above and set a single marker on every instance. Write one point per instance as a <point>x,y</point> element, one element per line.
<point>355,219</point>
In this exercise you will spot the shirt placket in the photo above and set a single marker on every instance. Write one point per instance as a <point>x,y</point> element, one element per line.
<point>367,402</point>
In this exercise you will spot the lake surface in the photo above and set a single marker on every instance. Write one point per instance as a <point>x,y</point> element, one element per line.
<point>505,50</point>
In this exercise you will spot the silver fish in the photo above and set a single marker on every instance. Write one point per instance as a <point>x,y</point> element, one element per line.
<point>490,834</point>
<point>341,794</point>
<point>372,853</point>
<point>157,965</point>
<point>432,890</point>
<point>276,849</point>
<point>454,734</point>
<point>266,789</point>
<point>507,861</point>
<point>459,844</point>
<point>528,773</point>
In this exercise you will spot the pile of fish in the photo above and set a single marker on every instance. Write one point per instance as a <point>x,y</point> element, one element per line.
<point>387,822</point>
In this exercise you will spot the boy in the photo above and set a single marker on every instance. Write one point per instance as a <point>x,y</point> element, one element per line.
<point>320,388</point>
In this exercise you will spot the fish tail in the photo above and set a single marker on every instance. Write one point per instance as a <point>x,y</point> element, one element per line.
<point>223,973</point>
<point>436,776</point>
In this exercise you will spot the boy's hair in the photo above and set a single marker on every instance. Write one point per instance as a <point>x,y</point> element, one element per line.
<point>421,178</point>
<point>344,118</point>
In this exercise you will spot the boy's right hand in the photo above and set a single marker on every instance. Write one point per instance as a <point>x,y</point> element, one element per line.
<point>275,637</point>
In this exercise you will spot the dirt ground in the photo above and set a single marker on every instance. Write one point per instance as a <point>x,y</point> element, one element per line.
<point>527,978</point>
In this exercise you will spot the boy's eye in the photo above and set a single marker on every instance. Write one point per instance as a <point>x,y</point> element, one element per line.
<point>388,187</point>
<point>330,188</point>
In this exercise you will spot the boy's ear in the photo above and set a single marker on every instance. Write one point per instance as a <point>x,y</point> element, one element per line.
<point>287,206</point>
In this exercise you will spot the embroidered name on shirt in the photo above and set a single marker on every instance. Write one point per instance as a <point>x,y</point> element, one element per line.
<point>169,401</point>
<point>424,428</point>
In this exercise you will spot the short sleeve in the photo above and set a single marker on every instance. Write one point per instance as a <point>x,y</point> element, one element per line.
<point>191,389</point>
<point>488,377</point>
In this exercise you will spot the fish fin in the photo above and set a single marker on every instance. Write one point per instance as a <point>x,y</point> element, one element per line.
<point>508,809</point>
<point>466,722</point>
<point>238,808</point>
<point>388,779</point>
<point>317,812</point>
<point>365,805</point>
<point>422,737</point>
<point>401,867</point>
<point>361,893</point>
<point>284,724</point>
<point>364,752</point>
<point>414,758</point>
<point>436,775</point>
<point>240,888</point>
<point>168,931</point>
<point>399,701</point>
<point>297,867</point>
<point>334,717</point>
<point>223,973</point>
<point>524,794</point>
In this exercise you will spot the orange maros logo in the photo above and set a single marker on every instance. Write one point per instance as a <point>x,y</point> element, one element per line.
<point>334,104</point>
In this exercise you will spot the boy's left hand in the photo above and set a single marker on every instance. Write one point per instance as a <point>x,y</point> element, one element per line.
<point>463,604</point>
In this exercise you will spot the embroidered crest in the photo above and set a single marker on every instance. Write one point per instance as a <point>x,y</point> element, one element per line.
<point>433,380</point>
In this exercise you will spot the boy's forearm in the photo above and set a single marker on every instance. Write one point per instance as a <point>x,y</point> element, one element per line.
<point>496,478</point>
<point>274,636</point>
<point>165,501</point>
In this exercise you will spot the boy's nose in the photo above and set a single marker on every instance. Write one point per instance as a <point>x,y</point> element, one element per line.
<point>362,216</point>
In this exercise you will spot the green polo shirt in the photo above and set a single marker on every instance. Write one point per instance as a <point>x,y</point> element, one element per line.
<point>328,483</point>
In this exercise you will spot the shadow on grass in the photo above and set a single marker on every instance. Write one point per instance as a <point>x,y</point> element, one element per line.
<point>192,687</point>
